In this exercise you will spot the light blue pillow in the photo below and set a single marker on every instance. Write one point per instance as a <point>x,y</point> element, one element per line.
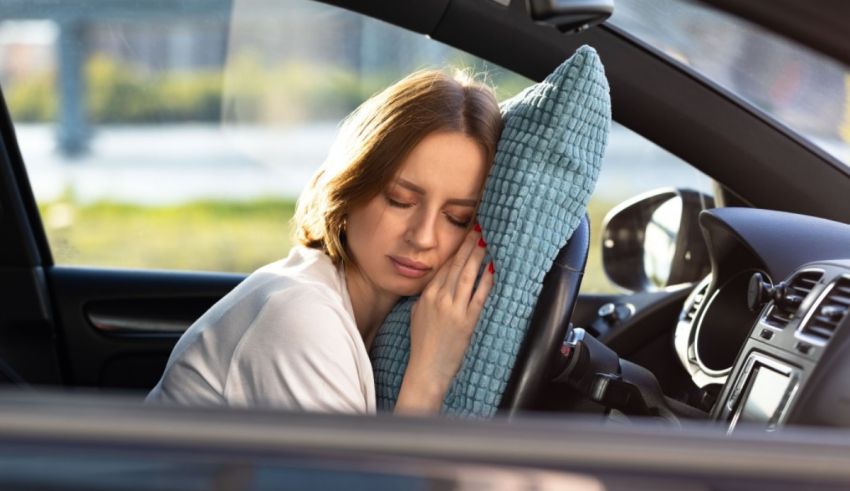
<point>545,169</point>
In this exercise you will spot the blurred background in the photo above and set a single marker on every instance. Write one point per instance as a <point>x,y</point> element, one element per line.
<point>178,135</point>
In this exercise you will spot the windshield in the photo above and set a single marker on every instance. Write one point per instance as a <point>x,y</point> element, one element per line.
<point>806,91</point>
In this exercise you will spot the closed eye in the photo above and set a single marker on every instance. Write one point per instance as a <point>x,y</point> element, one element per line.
<point>397,204</point>
<point>456,222</point>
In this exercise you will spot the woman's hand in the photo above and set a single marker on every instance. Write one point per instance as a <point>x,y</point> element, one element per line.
<point>441,326</point>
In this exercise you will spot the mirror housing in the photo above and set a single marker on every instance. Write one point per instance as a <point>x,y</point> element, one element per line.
<point>571,15</point>
<point>677,252</point>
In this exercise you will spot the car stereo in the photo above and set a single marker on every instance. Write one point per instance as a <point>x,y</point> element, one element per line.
<point>762,392</point>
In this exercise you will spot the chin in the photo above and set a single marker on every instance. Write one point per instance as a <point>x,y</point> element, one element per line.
<point>409,291</point>
<point>408,288</point>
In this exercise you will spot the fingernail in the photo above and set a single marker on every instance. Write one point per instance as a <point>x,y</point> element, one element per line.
<point>481,242</point>
<point>477,228</point>
<point>491,268</point>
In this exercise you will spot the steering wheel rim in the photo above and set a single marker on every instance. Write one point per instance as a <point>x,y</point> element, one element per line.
<point>539,356</point>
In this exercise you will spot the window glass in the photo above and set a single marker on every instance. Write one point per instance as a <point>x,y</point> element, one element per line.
<point>632,165</point>
<point>178,135</point>
<point>799,87</point>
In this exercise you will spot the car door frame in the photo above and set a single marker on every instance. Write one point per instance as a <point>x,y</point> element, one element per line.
<point>29,349</point>
<point>89,435</point>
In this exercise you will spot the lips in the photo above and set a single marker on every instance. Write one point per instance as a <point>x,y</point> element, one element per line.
<point>408,267</point>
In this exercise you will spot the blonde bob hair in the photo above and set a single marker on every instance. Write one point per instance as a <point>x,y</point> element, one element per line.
<point>375,139</point>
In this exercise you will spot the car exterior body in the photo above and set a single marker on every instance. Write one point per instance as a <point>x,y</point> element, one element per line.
<point>75,327</point>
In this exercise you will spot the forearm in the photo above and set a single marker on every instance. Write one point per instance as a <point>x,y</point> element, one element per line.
<point>441,325</point>
<point>419,393</point>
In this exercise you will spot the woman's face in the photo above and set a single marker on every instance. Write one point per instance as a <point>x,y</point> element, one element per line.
<point>401,237</point>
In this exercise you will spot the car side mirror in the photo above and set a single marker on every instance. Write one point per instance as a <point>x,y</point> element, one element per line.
<point>654,240</point>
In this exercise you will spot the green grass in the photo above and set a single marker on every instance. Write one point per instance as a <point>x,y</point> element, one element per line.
<point>204,236</point>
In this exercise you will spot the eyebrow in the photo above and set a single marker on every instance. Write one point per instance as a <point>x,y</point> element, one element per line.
<point>418,190</point>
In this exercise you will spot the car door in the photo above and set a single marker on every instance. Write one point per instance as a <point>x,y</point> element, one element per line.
<point>64,321</point>
<point>84,326</point>
<point>109,443</point>
<point>111,318</point>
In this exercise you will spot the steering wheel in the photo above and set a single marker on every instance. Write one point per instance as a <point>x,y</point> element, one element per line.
<point>539,356</point>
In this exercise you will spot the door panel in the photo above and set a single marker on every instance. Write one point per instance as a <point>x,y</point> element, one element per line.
<point>119,326</point>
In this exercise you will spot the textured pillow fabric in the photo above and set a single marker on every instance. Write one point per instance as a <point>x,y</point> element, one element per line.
<point>546,165</point>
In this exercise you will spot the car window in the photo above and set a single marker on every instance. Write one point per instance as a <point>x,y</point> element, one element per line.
<point>632,165</point>
<point>799,87</point>
<point>178,135</point>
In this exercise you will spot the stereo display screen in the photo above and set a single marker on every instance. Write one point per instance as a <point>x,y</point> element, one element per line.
<point>766,392</point>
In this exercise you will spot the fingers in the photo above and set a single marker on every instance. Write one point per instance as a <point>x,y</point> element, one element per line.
<point>440,278</point>
<point>466,279</point>
<point>476,304</point>
<point>456,264</point>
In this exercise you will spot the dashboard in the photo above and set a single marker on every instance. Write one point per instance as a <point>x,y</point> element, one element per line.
<point>767,331</point>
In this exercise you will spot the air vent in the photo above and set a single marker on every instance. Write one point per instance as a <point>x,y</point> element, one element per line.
<point>800,285</point>
<point>830,312</point>
<point>698,298</point>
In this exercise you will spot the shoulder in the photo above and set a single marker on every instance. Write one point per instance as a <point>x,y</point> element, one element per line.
<point>304,265</point>
<point>302,351</point>
<point>304,319</point>
<point>304,282</point>
<point>302,306</point>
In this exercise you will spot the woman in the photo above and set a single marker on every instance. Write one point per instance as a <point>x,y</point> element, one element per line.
<point>391,213</point>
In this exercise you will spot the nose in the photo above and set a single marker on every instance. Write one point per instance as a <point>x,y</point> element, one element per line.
<point>422,230</point>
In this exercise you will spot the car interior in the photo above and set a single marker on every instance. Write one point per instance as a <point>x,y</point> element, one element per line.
<point>732,309</point>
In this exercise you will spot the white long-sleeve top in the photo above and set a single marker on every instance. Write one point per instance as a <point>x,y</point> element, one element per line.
<point>284,338</point>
